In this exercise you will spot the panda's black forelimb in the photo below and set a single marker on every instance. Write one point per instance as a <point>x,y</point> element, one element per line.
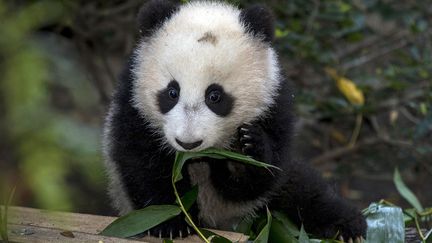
<point>309,200</point>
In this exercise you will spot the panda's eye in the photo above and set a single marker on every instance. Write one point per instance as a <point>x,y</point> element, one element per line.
<point>218,101</point>
<point>168,97</point>
<point>214,96</point>
<point>173,93</point>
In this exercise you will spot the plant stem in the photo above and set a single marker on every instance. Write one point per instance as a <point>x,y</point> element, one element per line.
<point>2,234</point>
<point>419,230</point>
<point>356,132</point>
<point>4,217</point>
<point>186,213</point>
<point>426,212</point>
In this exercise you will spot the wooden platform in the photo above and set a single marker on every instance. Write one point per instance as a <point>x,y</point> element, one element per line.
<point>34,225</point>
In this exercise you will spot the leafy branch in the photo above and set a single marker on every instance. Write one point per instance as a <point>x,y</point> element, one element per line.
<point>141,220</point>
<point>419,211</point>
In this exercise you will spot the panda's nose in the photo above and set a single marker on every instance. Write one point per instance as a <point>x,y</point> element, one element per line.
<point>189,146</point>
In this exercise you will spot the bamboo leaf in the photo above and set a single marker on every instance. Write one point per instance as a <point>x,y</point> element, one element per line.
<point>428,236</point>
<point>245,227</point>
<point>263,236</point>
<point>141,220</point>
<point>290,226</point>
<point>189,198</point>
<point>280,233</point>
<point>406,192</point>
<point>220,154</point>
<point>303,237</point>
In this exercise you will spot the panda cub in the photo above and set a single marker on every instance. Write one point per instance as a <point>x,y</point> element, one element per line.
<point>204,74</point>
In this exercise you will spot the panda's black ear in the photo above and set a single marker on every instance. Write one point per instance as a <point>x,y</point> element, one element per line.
<point>259,21</point>
<point>153,14</point>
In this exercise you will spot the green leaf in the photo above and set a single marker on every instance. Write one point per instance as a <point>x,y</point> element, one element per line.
<point>428,236</point>
<point>180,159</point>
<point>168,241</point>
<point>221,154</point>
<point>244,226</point>
<point>189,198</point>
<point>263,236</point>
<point>280,233</point>
<point>303,237</point>
<point>406,192</point>
<point>290,226</point>
<point>141,220</point>
<point>409,215</point>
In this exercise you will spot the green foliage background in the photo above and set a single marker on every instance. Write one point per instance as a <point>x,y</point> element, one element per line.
<point>59,61</point>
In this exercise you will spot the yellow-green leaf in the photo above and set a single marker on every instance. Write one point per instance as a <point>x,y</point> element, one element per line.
<point>347,87</point>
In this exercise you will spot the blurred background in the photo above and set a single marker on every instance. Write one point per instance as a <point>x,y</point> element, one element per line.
<point>361,71</point>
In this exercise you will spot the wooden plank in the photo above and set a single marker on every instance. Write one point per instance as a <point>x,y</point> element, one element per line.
<point>86,223</point>
<point>48,226</point>
<point>27,233</point>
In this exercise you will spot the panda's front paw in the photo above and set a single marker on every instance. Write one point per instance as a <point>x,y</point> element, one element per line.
<point>251,139</point>
<point>173,228</point>
<point>352,229</point>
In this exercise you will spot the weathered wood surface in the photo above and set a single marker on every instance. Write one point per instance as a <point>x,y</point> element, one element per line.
<point>35,225</point>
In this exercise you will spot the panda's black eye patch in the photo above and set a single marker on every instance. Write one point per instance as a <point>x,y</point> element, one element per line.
<point>218,101</point>
<point>168,97</point>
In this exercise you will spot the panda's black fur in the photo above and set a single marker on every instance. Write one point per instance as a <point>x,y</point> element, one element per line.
<point>144,167</point>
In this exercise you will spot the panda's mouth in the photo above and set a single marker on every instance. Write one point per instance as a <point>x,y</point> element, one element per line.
<point>189,146</point>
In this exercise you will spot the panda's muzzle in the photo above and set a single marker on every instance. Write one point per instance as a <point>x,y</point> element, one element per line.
<point>189,146</point>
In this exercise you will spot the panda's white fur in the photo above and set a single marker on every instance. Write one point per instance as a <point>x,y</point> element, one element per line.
<point>116,188</point>
<point>246,68</point>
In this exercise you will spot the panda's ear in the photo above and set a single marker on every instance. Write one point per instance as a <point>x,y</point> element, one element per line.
<point>153,14</point>
<point>259,21</point>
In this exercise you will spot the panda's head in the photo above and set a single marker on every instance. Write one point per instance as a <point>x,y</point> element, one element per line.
<point>202,69</point>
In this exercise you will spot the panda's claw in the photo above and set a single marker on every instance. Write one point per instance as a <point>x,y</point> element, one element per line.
<point>341,238</point>
<point>188,230</point>
<point>247,136</point>
<point>250,140</point>
<point>248,145</point>
<point>246,139</point>
<point>171,234</point>
<point>245,130</point>
<point>350,240</point>
<point>160,234</point>
<point>180,234</point>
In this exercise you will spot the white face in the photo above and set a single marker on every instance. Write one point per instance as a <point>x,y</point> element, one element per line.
<point>199,77</point>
